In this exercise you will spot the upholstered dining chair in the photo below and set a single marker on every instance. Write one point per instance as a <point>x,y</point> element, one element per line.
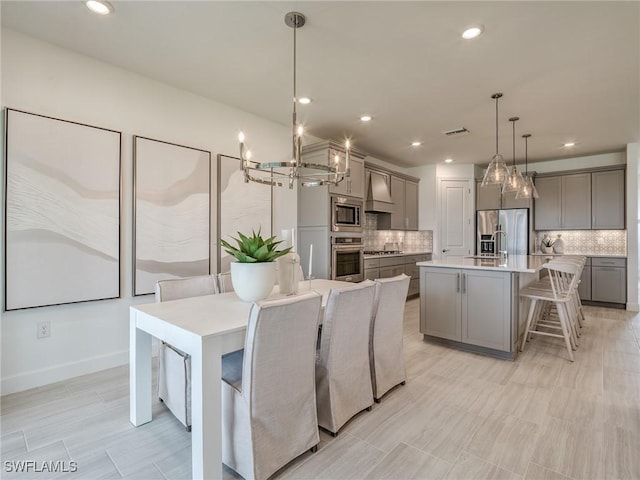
<point>224,282</point>
<point>174,366</point>
<point>268,392</point>
<point>386,353</point>
<point>343,374</point>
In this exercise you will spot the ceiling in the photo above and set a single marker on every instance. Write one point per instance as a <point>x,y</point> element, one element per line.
<point>569,70</point>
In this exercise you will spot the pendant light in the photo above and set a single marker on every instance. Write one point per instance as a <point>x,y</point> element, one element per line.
<point>528,189</point>
<point>497,171</point>
<point>514,180</point>
<point>286,173</point>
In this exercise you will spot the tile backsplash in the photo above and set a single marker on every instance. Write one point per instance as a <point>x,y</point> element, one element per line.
<point>414,241</point>
<point>595,242</point>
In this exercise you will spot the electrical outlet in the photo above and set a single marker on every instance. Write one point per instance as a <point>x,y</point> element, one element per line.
<point>44,329</point>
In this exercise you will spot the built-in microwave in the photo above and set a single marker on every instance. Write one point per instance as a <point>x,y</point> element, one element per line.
<point>346,214</point>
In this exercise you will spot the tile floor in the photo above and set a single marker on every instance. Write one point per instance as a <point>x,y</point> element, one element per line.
<point>460,416</point>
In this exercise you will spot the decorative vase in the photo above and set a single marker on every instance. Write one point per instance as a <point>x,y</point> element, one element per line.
<point>545,241</point>
<point>558,245</point>
<point>288,277</point>
<point>253,281</point>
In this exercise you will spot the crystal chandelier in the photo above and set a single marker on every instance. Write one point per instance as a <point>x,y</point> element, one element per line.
<point>528,189</point>
<point>514,181</point>
<point>497,171</point>
<point>285,173</point>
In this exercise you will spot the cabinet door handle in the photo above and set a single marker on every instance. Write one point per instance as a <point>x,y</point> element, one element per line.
<point>464,283</point>
<point>457,283</point>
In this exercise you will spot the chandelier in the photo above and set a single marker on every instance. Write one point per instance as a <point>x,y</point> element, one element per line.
<point>528,189</point>
<point>497,171</point>
<point>286,173</point>
<point>514,181</point>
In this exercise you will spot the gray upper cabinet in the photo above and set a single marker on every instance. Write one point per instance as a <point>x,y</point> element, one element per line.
<point>564,203</point>
<point>491,198</point>
<point>411,205</point>
<point>397,197</point>
<point>509,200</point>
<point>353,185</point>
<point>488,198</point>
<point>547,207</point>
<point>607,200</point>
<point>404,195</point>
<point>576,201</point>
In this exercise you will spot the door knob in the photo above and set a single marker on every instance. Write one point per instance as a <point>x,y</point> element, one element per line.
<point>445,250</point>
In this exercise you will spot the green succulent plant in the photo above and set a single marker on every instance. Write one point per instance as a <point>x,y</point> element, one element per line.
<point>254,249</point>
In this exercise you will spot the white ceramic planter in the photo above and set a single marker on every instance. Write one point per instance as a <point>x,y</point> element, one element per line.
<point>253,281</point>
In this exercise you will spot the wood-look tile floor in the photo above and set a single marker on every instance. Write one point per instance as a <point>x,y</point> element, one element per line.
<point>460,416</point>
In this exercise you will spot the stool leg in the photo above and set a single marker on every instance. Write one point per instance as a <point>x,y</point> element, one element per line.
<point>532,309</point>
<point>562,314</point>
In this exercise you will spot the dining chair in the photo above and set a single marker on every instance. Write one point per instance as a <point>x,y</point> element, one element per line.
<point>224,282</point>
<point>174,366</point>
<point>343,373</point>
<point>268,391</point>
<point>386,353</point>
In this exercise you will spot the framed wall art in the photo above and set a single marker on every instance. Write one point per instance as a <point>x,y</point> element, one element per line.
<point>241,206</point>
<point>171,213</point>
<point>62,217</point>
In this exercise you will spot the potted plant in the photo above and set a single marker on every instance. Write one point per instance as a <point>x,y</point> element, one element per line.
<point>253,274</point>
<point>547,244</point>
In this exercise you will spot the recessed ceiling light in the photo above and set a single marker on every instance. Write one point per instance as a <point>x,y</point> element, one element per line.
<point>304,100</point>
<point>365,118</point>
<point>416,144</point>
<point>101,7</point>
<point>448,160</point>
<point>472,32</point>
<point>570,144</point>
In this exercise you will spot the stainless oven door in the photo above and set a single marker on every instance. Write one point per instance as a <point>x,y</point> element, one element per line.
<point>346,215</point>
<point>347,263</point>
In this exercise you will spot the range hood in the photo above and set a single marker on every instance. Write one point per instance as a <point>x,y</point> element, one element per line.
<point>378,195</point>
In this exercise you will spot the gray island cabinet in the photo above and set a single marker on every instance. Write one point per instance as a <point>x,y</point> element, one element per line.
<point>474,304</point>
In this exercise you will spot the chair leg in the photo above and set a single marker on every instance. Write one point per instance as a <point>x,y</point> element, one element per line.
<point>403,383</point>
<point>370,407</point>
<point>188,428</point>
<point>314,449</point>
<point>562,314</point>
<point>377,400</point>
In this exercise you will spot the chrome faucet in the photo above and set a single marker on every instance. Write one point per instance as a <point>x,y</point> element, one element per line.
<point>506,242</point>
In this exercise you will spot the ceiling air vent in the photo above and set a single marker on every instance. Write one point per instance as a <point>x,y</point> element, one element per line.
<point>456,132</point>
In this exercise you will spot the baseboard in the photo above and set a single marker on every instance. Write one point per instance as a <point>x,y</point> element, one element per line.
<point>633,307</point>
<point>57,373</point>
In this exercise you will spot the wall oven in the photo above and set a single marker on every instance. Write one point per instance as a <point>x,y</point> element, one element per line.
<point>346,214</point>
<point>347,259</point>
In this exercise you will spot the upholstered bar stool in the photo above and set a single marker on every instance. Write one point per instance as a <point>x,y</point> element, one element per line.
<point>562,281</point>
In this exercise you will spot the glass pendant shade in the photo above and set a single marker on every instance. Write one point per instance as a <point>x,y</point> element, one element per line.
<point>496,173</point>
<point>514,181</point>
<point>528,189</point>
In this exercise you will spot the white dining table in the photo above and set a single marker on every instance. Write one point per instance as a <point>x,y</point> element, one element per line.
<point>206,328</point>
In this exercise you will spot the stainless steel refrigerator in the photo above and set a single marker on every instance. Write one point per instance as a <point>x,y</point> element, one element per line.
<point>514,222</point>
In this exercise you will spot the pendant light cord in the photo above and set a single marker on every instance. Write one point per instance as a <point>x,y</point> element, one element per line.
<point>514,143</point>
<point>526,155</point>
<point>497,125</point>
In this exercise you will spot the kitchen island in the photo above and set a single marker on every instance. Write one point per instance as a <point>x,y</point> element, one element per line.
<point>474,303</point>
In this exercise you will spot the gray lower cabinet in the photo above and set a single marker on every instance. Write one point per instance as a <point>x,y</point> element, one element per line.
<point>608,280</point>
<point>386,267</point>
<point>467,306</point>
<point>584,288</point>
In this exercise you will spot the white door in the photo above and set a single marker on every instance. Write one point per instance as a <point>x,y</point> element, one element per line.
<point>455,218</point>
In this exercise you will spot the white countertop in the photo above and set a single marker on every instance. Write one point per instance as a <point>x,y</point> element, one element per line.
<point>514,263</point>
<point>584,254</point>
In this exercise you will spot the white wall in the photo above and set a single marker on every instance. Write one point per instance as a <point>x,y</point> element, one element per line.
<point>633,226</point>
<point>40,78</point>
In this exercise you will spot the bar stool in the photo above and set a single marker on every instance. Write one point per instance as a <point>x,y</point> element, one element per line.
<point>559,295</point>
